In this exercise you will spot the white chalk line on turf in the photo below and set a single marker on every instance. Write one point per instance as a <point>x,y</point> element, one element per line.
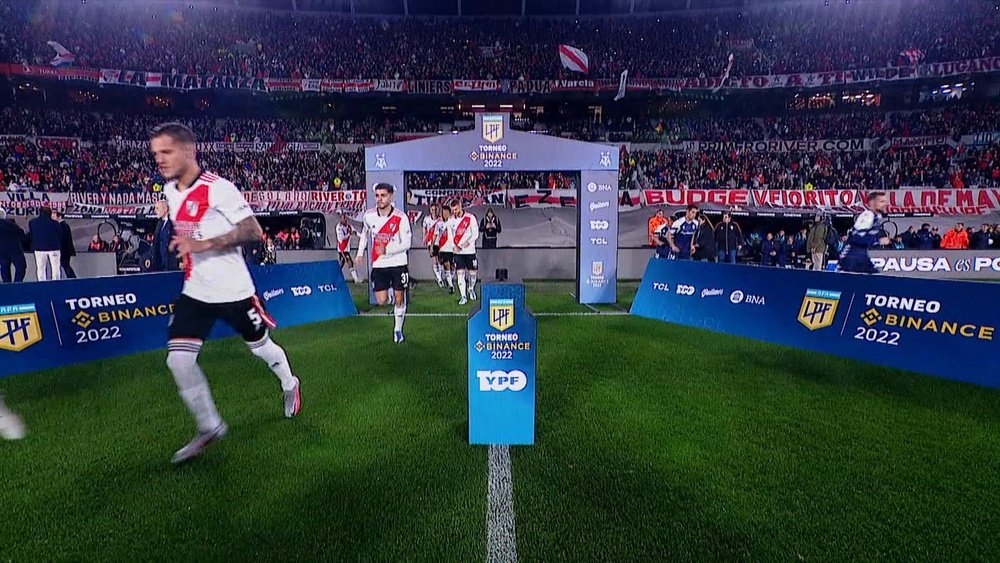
<point>501,538</point>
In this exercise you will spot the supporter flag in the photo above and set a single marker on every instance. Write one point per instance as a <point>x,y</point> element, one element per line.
<point>574,59</point>
<point>63,56</point>
<point>622,83</point>
<point>914,55</point>
<point>725,75</point>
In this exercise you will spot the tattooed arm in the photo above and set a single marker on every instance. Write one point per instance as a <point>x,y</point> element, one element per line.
<point>246,230</point>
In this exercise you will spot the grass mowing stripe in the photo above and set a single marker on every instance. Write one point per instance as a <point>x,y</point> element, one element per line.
<point>501,539</point>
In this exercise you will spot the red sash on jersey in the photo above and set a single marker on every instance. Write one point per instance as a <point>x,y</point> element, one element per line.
<point>385,234</point>
<point>342,245</point>
<point>444,238</point>
<point>189,216</point>
<point>460,230</point>
<point>429,237</point>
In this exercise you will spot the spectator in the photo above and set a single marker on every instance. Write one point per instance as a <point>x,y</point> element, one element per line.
<point>909,237</point>
<point>490,226</point>
<point>163,260</point>
<point>816,243</point>
<point>769,250</point>
<point>117,245</point>
<point>897,243</point>
<point>46,242</point>
<point>68,248</point>
<point>924,238</point>
<point>728,237</point>
<point>656,224</point>
<point>956,239</point>
<point>981,239</point>
<point>12,239</point>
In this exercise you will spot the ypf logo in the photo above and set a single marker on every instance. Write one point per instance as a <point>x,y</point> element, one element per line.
<point>500,380</point>
<point>685,289</point>
<point>302,291</point>
<point>599,225</point>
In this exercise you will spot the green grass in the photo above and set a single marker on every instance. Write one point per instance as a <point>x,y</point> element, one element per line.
<point>654,442</point>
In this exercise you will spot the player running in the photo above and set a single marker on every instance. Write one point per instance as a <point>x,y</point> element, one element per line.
<point>344,232</point>
<point>866,232</point>
<point>389,231</point>
<point>211,222</point>
<point>446,254</point>
<point>430,228</point>
<point>465,233</point>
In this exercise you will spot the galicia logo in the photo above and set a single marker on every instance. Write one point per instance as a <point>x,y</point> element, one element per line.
<point>499,380</point>
<point>269,295</point>
<point>599,205</point>
<point>711,293</point>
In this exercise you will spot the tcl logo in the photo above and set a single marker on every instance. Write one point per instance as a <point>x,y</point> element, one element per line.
<point>302,291</point>
<point>599,241</point>
<point>685,289</point>
<point>661,286</point>
<point>599,225</point>
<point>502,380</point>
<point>326,288</point>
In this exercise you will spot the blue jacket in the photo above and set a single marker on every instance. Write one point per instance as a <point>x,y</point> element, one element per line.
<point>46,234</point>
<point>923,240</point>
<point>162,259</point>
<point>11,238</point>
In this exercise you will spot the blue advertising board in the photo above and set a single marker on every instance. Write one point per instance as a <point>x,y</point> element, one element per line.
<point>597,238</point>
<point>935,327</point>
<point>502,368</point>
<point>57,323</point>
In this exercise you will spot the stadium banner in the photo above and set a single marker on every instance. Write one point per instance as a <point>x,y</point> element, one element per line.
<point>219,146</point>
<point>933,327</point>
<point>470,198</point>
<point>597,238</point>
<point>922,200</point>
<point>50,324</point>
<point>540,199</point>
<point>502,338</point>
<point>776,146</point>
<point>24,204</point>
<point>981,139</point>
<point>925,141</point>
<point>939,264</point>
<point>145,79</point>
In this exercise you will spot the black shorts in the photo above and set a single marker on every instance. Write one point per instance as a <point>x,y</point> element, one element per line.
<point>346,256</point>
<point>194,319</point>
<point>466,262</point>
<point>446,257</point>
<point>396,277</point>
<point>435,251</point>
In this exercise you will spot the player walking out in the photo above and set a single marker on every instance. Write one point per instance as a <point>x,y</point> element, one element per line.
<point>211,221</point>
<point>866,232</point>
<point>465,233</point>
<point>446,254</point>
<point>344,232</point>
<point>430,231</point>
<point>389,231</point>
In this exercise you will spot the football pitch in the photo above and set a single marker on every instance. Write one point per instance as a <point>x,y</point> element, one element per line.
<point>654,441</point>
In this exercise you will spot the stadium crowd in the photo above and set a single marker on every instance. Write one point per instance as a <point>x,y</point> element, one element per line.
<point>200,40</point>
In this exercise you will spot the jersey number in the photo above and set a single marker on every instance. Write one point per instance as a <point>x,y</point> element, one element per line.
<point>255,318</point>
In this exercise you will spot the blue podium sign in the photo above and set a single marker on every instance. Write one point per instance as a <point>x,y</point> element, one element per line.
<point>502,368</point>
<point>942,328</point>
<point>56,323</point>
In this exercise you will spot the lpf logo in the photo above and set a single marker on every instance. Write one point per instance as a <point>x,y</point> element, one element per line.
<point>19,327</point>
<point>492,128</point>
<point>380,161</point>
<point>819,308</point>
<point>501,314</point>
<point>499,380</point>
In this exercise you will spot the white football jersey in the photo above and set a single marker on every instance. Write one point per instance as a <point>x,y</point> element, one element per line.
<point>344,237</point>
<point>211,208</point>
<point>445,241</point>
<point>392,231</point>
<point>465,230</point>
<point>429,224</point>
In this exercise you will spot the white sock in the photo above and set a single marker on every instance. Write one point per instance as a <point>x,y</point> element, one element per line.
<point>399,313</point>
<point>354,274</point>
<point>182,359</point>
<point>451,278</point>
<point>472,280</point>
<point>275,357</point>
<point>437,272</point>
<point>461,284</point>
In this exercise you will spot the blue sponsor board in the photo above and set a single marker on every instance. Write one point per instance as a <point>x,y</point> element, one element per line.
<point>57,323</point>
<point>941,328</point>
<point>597,238</point>
<point>502,368</point>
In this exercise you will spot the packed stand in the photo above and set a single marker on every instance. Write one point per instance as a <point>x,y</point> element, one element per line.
<point>249,43</point>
